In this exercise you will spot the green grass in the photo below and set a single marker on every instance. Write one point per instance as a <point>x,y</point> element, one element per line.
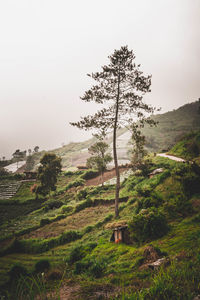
<point>108,266</point>
<point>188,147</point>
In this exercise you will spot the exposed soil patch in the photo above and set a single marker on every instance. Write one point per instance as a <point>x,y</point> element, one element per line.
<point>68,292</point>
<point>107,176</point>
<point>196,203</point>
<point>77,221</point>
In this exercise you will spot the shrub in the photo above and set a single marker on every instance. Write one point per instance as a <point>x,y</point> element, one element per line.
<point>153,201</point>
<point>42,265</point>
<point>69,173</point>
<point>89,174</point>
<point>76,254</point>
<point>144,190</point>
<point>81,267</point>
<point>178,204</point>
<point>96,269</point>
<point>66,208</point>
<point>54,204</point>
<point>91,266</point>
<point>75,183</point>
<point>132,181</point>
<point>80,251</point>
<point>189,176</point>
<point>82,194</point>
<point>17,271</point>
<point>44,222</point>
<point>88,229</point>
<point>83,205</point>
<point>39,246</point>
<point>148,225</point>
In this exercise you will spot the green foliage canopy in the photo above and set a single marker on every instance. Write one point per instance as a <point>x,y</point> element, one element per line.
<point>99,158</point>
<point>48,172</point>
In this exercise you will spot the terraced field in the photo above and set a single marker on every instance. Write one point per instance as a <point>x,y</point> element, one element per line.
<point>9,189</point>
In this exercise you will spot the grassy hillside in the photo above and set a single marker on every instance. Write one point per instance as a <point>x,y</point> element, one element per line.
<point>188,147</point>
<point>62,245</point>
<point>172,126</point>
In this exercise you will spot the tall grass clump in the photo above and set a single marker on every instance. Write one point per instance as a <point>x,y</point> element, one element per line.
<point>38,246</point>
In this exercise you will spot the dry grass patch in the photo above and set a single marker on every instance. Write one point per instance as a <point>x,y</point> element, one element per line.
<point>77,221</point>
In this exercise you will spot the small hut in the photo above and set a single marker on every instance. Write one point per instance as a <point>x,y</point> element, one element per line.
<point>120,233</point>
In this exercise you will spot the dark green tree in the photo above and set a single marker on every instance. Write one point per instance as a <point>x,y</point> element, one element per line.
<point>120,87</point>
<point>36,149</point>
<point>99,158</point>
<point>48,172</point>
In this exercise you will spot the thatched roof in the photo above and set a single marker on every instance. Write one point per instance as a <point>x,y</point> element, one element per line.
<point>116,224</point>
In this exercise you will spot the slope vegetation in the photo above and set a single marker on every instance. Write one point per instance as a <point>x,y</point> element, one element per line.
<point>61,246</point>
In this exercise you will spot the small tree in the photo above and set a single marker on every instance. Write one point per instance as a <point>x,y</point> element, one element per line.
<point>48,172</point>
<point>99,158</point>
<point>121,85</point>
<point>138,151</point>
<point>36,149</point>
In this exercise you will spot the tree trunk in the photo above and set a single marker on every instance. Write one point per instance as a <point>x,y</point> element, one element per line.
<point>102,178</point>
<point>115,154</point>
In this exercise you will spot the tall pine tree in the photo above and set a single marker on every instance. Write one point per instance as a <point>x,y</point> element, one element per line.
<point>120,87</point>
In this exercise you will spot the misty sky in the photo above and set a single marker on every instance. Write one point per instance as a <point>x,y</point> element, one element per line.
<point>47,47</point>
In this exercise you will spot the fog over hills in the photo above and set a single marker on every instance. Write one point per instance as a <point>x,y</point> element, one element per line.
<point>171,127</point>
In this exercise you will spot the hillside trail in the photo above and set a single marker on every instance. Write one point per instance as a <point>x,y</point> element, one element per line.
<point>171,157</point>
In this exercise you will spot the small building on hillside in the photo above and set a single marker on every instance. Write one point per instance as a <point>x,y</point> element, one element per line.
<point>30,175</point>
<point>120,233</point>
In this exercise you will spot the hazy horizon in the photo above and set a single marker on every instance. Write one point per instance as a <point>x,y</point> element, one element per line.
<point>48,47</point>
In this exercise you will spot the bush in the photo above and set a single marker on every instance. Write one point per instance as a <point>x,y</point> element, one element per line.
<point>69,173</point>
<point>89,174</point>
<point>82,194</point>
<point>38,246</point>
<point>91,267</point>
<point>66,208</point>
<point>81,267</point>
<point>132,181</point>
<point>80,251</point>
<point>75,183</point>
<point>150,224</point>
<point>96,269</point>
<point>44,222</point>
<point>153,201</point>
<point>89,228</point>
<point>76,254</point>
<point>54,204</point>
<point>189,176</point>
<point>17,271</point>
<point>83,205</point>
<point>144,190</point>
<point>179,204</point>
<point>42,265</point>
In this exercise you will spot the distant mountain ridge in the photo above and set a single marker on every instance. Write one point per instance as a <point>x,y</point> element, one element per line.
<point>171,127</point>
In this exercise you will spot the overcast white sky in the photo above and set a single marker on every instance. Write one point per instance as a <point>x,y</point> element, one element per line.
<point>48,46</point>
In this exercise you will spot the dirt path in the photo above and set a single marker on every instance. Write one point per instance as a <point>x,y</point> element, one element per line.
<point>171,157</point>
